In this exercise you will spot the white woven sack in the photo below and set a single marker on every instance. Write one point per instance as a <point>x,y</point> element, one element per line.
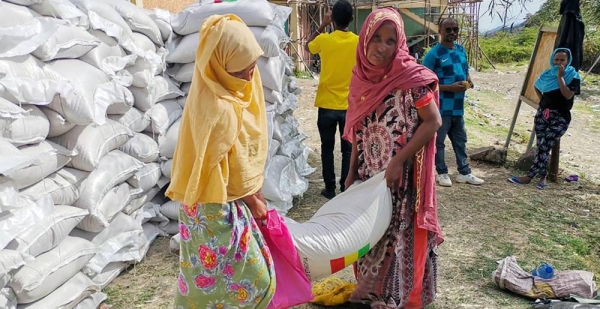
<point>50,158</point>
<point>282,181</point>
<point>49,232</point>
<point>171,228</point>
<point>182,72</point>
<point>8,299</point>
<point>168,143</point>
<point>99,54</point>
<point>272,72</point>
<point>143,42</point>
<point>104,17</point>
<point>171,210</point>
<point>93,301</point>
<point>139,202</point>
<point>163,115</point>
<point>141,147</point>
<point>108,274</point>
<point>92,142</point>
<point>30,128</point>
<point>161,89</point>
<point>11,260</point>
<point>66,42</point>
<point>63,186</point>
<point>24,2</point>
<point>252,12</point>
<point>12,15</point>
<point>109,206</point>
<point>133,119</point>
<point>162,18</point>
<point>150,212</point>
<point>9,113</point>
<point>165,167</point>
<point>102,36</point>
<point>137,19</point>
<point>185,87</point>
<point>146,178</point>
<point>58,124</point>
<point>344,229</point>
<point>183,49</point>
<point>123,232</point>
<point>94,86</point>
<point>113,169</point>
<point>267,39</point>
<point>23,216</point>
<point>62,9</point>
<point>72,292</point>
<point>174,243</point>
<point>52,269</point>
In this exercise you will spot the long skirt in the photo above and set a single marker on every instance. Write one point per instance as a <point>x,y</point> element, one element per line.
<point>224,262</point>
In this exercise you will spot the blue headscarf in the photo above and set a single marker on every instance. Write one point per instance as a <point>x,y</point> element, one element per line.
<point>548,80</point>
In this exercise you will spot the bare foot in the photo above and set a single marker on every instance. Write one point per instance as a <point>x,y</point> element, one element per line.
<point>544,180</point>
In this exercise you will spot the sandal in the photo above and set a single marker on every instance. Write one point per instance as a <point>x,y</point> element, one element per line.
<point>515,179</point>
<point>541,186</point>
<point>572,178</point>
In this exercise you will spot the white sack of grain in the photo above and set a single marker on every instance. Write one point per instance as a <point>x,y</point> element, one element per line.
<point>66,42</point>
<point>92,142</point>
<point>30,127</point>
<point>12,14</point>
<point>146,177</point>
<point>28,213</point>
<point>168,143</point>
<point>142,147</point>
<point>10,260</point>
<point>109,206</point>
<point>49,232</point>
<point>58,124</point>
<point>252,12</point>
<point>64,186</point>
<point>163,115</point>
<point>62,9</point>
<point>114,168</point>
<point>50,158</point>
<point>52,269</point>
<point>133,119</point>
<point>72,292</point>
<point>271,71</point>
<point>137,20</point>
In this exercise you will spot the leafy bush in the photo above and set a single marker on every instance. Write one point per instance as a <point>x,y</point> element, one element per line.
<point>509,47</point>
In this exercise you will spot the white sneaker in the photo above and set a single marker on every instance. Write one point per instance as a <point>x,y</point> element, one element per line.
<point>444,180</point>
<point>470,179</point>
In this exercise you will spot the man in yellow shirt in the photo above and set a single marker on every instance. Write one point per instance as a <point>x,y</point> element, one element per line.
<point>337,51</point>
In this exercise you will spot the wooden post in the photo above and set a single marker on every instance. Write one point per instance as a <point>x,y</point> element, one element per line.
<point>553,165</point>
<point>295,36</point>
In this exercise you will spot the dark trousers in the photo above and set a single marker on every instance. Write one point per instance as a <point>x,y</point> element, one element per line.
<point>548,132</point>
<point>329,122</point>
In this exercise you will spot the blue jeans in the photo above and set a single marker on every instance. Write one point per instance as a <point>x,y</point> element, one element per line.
<point>454,128</point>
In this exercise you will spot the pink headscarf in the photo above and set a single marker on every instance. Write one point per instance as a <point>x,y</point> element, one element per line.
<point>369,87</point>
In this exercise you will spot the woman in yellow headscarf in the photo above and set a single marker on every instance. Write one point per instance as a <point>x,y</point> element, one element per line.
<point>217,174</point>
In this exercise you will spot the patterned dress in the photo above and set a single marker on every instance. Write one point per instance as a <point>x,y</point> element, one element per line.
<point>400,271</point>
<point>224,262</point>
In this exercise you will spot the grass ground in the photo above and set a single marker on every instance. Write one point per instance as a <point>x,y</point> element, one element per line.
<point>482,225</point>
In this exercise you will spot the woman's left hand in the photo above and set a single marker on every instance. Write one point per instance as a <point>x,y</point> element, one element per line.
<point>393,174</point>
<point>561,71</point>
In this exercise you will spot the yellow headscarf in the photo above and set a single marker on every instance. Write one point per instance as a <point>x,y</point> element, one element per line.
<point>222,146</point>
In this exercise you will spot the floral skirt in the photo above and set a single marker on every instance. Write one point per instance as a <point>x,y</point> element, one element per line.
<point>224,262</point>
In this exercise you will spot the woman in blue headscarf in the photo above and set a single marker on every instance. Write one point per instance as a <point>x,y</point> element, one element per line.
<point>556,88</point>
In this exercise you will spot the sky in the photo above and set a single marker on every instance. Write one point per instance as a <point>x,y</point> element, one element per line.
<point>516,14</point>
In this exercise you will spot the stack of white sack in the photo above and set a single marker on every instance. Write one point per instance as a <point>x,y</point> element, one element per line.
<point>287,163</point>
<point>79,172</point>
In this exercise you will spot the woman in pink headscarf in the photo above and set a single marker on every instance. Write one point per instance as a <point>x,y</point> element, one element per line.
<point>392,120</point>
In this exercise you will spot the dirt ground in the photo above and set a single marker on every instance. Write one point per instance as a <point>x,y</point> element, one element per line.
<point>481,224</point>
